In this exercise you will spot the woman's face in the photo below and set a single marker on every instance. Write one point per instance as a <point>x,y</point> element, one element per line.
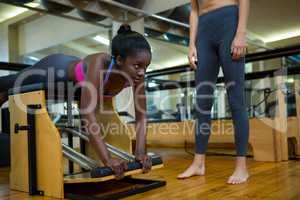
<point>135,66</point>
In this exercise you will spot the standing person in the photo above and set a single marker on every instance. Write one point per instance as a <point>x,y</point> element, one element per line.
<point>218,38</point>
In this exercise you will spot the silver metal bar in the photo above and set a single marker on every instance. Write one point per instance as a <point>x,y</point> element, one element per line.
<point>117,152</point>
<point>114,150</point>
<point>76,160</point>
<point>119,155</point>
<point>60,125</point>
<point>76,133</point>
<point>123,154</point>
<point>92,163</point>
<point>70,119</point>
<point>56,119</point>
<point>144,13</point>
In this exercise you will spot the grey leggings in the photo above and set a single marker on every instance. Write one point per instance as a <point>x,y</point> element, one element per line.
<point>216,31</point>
<point>40,72</point>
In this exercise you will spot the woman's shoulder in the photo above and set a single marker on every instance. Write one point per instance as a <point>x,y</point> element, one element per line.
<point>101,58</point>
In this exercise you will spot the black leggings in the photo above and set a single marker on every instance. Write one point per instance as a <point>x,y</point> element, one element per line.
<point>216,31</point>
<point>52,68</point>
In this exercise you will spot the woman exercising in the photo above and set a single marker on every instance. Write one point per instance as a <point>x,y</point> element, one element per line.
<point>101,76</point>
<point>218,37</point>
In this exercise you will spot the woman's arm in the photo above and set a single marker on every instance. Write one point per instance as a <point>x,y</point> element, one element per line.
<point>88,105</point>
<point>239,44</point>
<point>141,118</point>
<point>243,17</point>
<point>141,125</point>
<point>90,99</point>
<point>193,33</point>
<point>193,22</point>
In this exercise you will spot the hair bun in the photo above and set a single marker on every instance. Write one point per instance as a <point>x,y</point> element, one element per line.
<point>124,28</point>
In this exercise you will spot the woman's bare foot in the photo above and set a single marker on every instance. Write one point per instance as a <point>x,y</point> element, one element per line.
<point>240,174</point>
<point>197,168</point>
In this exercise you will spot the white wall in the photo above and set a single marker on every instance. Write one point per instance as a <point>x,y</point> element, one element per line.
<point>156,6</point>
<point>49,31</point>
<point>3,54</point>
<point>3,43</point>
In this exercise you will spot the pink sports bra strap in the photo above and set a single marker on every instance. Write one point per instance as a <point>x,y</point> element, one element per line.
<point>79,74</point>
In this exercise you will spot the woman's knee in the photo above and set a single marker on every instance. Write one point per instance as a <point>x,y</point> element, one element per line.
<point>3,98</point>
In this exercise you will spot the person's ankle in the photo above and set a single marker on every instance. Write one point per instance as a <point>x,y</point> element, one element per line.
<point>241,162</point>
<point>199,160</point>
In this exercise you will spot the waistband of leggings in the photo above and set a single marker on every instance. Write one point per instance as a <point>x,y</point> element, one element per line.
<point>219,13</point>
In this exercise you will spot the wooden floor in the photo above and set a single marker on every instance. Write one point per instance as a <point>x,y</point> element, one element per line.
<point>267,181</point>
